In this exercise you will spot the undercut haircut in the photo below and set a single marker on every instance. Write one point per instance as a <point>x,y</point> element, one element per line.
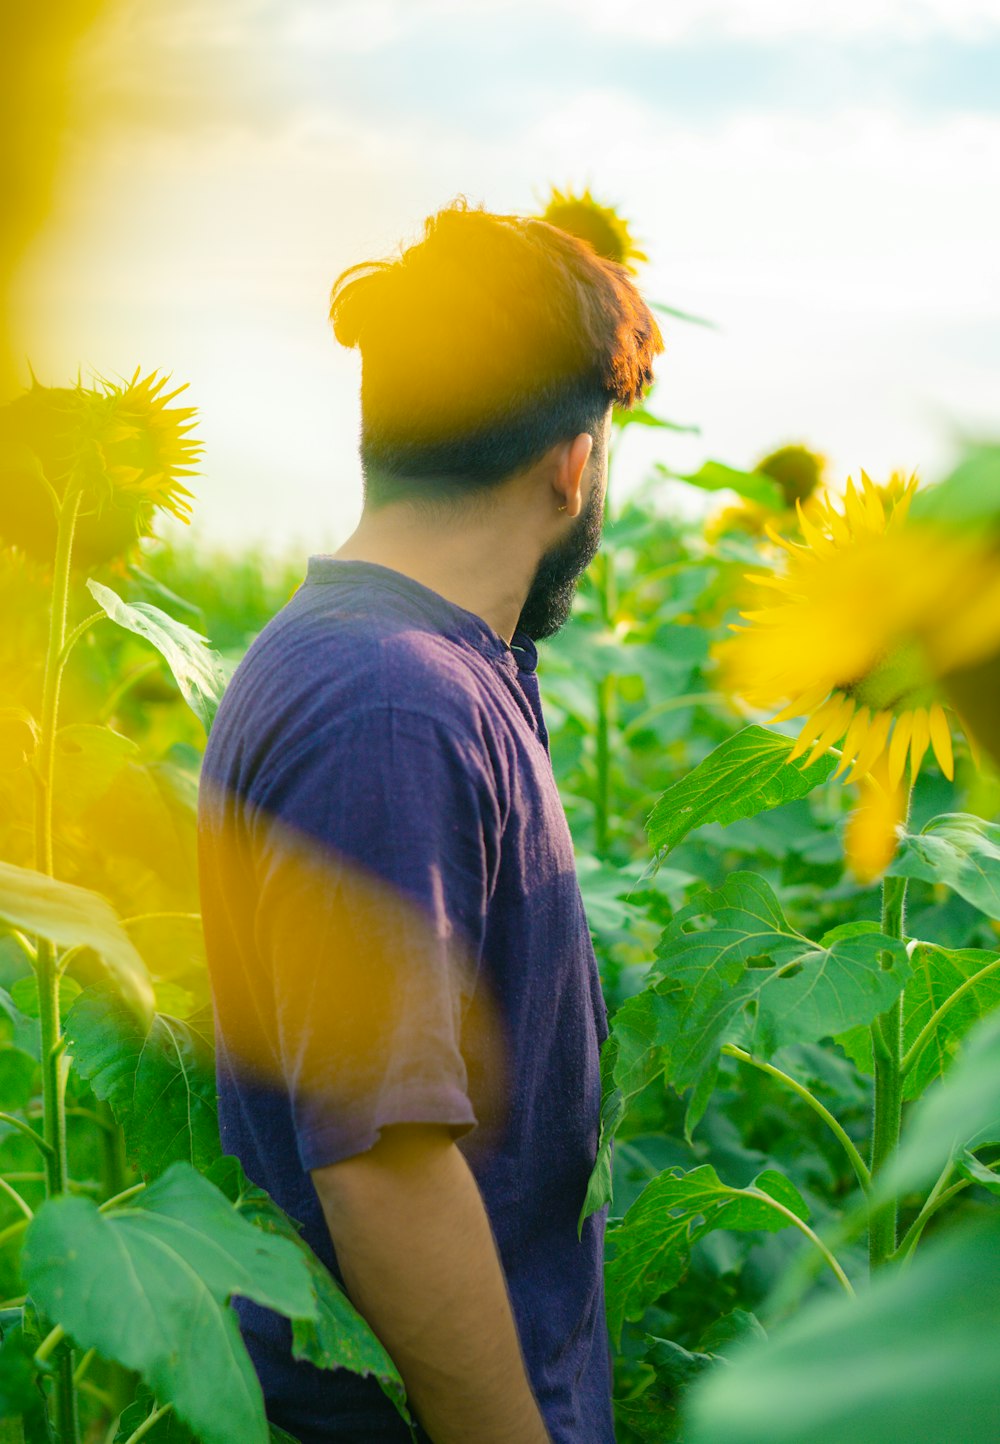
<point>483,345</point>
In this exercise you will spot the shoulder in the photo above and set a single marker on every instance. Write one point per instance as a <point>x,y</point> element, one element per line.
<point>313,691</point>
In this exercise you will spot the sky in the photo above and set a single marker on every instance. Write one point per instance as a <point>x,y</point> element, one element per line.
<point>820,180</point>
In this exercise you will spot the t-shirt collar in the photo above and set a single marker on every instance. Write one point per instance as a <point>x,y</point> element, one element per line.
<point>521,655</point>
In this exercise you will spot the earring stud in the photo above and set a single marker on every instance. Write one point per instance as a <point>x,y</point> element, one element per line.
<point>561,508</point>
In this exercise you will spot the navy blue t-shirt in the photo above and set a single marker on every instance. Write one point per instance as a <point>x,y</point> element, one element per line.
<point>395,933</point>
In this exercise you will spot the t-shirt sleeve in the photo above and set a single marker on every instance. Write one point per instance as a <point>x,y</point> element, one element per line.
<point>375,852</point>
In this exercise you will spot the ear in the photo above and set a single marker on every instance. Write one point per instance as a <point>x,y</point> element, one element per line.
<point>568,481</point>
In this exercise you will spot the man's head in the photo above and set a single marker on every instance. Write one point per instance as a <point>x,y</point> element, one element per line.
<point>489,349</point>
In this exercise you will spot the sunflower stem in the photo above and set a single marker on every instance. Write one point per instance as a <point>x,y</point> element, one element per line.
<point>888,1108</point>
<point>607,707</point>
<point>47,971</point>
<point>602,800</point>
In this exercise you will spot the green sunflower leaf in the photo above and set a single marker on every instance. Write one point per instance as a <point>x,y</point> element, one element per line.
<point>972,977</point>
<point>653,1242</point>
<point>746,774</point>
<point>960,850</point>
<point>731,969</point>
<point>69,916</point>
<point>337,1337</point>
<point>198,670</point>
<point>159,1080</point>
<point>631,1058</point>
<point>149,1284</point>
<point>913,1357</point>
<point>715,476</point>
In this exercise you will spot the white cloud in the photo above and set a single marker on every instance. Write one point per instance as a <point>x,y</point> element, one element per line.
<point>770,20</point>
<point>364,25</point>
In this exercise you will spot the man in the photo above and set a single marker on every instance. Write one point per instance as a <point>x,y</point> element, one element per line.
<point>409,1013</point>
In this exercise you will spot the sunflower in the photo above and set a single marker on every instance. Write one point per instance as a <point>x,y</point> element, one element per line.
<point>584,217</point>
<point>124,447</point>
<point>797,469</point>
<point>798,474</point>
<point>857,628</point>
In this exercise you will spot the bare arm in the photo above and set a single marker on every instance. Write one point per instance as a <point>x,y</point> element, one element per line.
<point>418,1256</point>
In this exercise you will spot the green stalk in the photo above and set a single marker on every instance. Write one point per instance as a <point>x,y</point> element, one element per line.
<point>113,1173</point>
<point>11,1192</point>
<point>148,1424</point>
<point>887,1031</point>
<point>13,1230</point>
<point>53,1059</point>
<point>602,801</point>
<point>937,1199</point>
<point>804,1229</point>
<point>846,1142</point>
<point>27,1130</point>
<point>607,704</point>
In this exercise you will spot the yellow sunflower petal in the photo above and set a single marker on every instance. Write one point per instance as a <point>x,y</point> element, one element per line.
<point>839,529</point>
<point>871,835</point>
<point>941,740</point>
<point>817,542</point>
<point>835,729</point>
<point>918,743</point>
<point>902,506</point>
<point>899,746</point>
<point>856,734</point>
<point>801,706</point>
<point>872,746</point>
<point>854,509</point>
<point>874,510</point>
<point>815,725</point>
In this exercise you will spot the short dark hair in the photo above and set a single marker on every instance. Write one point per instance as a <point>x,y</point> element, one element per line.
<point>483,345</point>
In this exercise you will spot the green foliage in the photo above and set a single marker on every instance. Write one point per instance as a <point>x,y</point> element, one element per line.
<point>949,991</point>
<point>652,1245</point>
<point>159,1080</point>
<point>914,1358</point>
<point>198,670</point>
<point>335,1336</point>
<point>745,775</point>
<point>148,1285</point>
<point>74,917</point>
<point>753,485</point>
<point>752,987</point>
<point>732,969</point>
<point>960,851</point>
<point>957,1115</point>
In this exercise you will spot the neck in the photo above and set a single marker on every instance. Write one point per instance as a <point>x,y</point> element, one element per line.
<point>484,563</point>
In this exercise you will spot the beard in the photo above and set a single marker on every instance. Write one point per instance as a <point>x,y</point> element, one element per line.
<point>550,596</point>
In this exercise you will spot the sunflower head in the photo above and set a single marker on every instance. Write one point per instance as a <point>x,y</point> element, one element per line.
<point>584,217</point>
<point>797,470</point>
<point>122,447</point>
<point>837,638</point>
